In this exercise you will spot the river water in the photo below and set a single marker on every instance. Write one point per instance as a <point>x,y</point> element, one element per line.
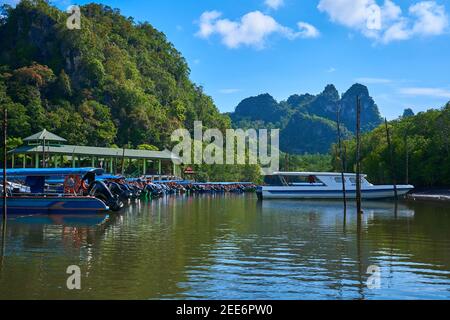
<point>232,247</point>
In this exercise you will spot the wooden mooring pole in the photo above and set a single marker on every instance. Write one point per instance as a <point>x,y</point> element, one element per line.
<point>391,155</point>
<point>358,155</point>
<point>43,154</point>
<point>341,156</point>
<point>123,161</point>
<point>407,160</point>
<point>5,163</point>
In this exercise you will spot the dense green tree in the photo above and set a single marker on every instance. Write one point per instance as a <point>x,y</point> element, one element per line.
<point>422,141</point>
<point>113,82</point>
<point>98,124</point>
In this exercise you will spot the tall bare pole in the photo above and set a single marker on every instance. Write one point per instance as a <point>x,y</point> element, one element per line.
<point>407,159</point>
<point>358,155</point>
<point>286,162</point>
<point>5,163</point>
<point>391,154</point>
<point>43,154</point>
<point>341,156</point>
<point>123,160</point>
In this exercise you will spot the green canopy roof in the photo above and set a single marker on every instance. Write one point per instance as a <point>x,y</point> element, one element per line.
<point>44,135</point>
<point>95,151</point>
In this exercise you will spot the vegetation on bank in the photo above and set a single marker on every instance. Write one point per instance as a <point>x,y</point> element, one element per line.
<point>306,162</point>
<point>420,145</point>
<point>112,83</point>
<point>118,83</point>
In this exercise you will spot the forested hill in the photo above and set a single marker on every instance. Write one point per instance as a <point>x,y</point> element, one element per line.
<point>113,81</point>
<point>308,122</point>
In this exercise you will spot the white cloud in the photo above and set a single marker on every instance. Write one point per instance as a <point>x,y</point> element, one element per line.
<point>429,92</point>
<point>431,19</point>
<point>307,30</point>
<point>331,70</point>
<point>350,13</point>
<point>251,30</point>
<point>274,4</point>
<point>390,11</point>
<point>386,22</point>
<point>373,80</point>
<point>206,20</point>
<point>397,31</point>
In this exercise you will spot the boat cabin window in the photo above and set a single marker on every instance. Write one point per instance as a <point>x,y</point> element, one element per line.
<point>353,180</point>
<point>274,181</point>
<point>303,180</point>
<point>338,179</point>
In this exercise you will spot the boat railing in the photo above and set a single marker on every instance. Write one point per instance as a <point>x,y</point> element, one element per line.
<point>42,195</point>
<point>307,184</point>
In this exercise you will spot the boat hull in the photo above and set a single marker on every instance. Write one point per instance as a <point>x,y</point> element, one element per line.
<point>301,193</point>
<point>54,205</point>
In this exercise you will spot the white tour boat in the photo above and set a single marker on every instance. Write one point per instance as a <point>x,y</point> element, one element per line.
<point>323,185</point>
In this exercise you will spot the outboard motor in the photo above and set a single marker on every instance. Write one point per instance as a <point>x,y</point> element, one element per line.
<point>120,191</point>
<point>99,190</point>
<point>136,191</point>
<point>153,190</point>
<point>131,190</point>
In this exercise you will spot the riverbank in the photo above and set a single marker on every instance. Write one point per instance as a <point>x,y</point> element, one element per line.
<point>429,194</point>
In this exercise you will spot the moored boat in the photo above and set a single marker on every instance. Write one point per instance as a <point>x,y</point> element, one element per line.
<point>29,192</point>
<point>323,185</point>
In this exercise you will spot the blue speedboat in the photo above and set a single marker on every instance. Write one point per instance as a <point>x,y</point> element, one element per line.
<point>79,193</point>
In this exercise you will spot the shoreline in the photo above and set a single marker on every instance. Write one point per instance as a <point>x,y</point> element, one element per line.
<point>429,194</point>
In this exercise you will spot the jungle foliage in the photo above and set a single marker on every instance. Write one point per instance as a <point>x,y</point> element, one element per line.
<point>114,82</point>
<point>420,145</point>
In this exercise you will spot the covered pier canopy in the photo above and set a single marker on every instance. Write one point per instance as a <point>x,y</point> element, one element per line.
<point>48,150</point>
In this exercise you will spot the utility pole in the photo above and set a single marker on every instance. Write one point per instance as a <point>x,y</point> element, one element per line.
<point>358,156</point>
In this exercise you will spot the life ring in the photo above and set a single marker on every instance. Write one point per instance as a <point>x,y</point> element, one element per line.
<point>71,184</point>
<point>82,186</point>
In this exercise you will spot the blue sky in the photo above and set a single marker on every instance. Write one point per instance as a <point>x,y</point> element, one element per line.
<point>237,48</point>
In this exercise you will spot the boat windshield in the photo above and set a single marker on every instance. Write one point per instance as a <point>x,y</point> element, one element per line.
<point>310,180</point>
<point>274,181</point>
<point>292,180</point>
<point>353,180</point>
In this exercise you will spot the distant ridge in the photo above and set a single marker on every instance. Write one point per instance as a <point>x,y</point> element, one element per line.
<point>308,122</point>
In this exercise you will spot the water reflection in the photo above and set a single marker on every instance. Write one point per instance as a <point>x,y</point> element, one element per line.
<point>232,246</point>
